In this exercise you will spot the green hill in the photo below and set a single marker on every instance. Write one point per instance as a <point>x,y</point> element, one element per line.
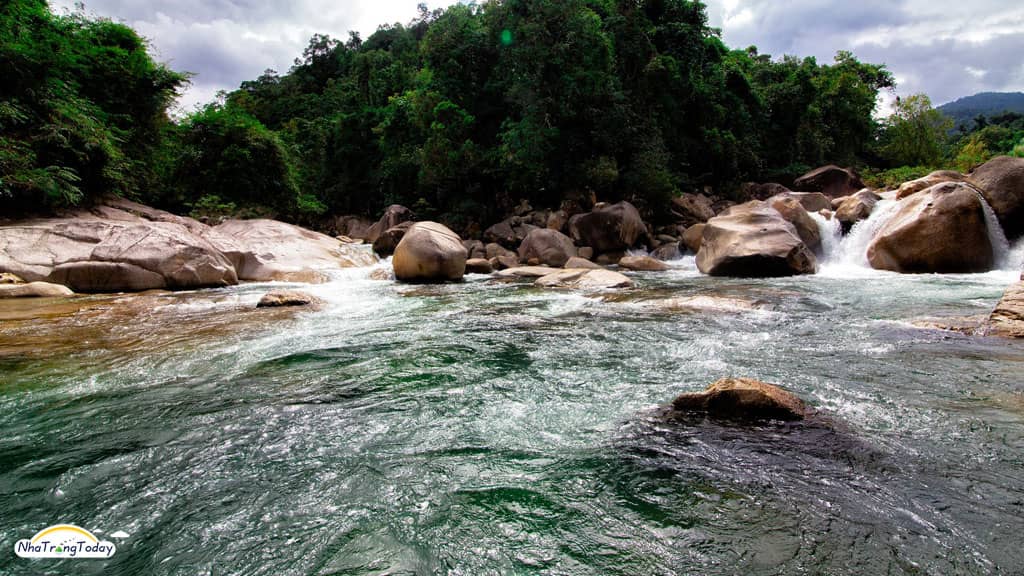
<point>965,110</point>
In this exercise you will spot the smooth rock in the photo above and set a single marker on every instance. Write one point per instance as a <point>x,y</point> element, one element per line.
<point>855,208</point>
<point>1007,320</point>
<point>608,228</point>
<point>795,213</point>
<point>387,241</point>
<point>478,266</point>
<point>393,216</point>
<point>585,280</point>
<point>475,249</point>
<point>581,264</point>
<point>526,272</point>
<point>939,230</point>
<point>753,240</point>
<point>832,181</point>
<point>743,399</point>
<point>642,264</point>
<point>1002,182</point>
<point>34,290</point>
<point>925,182</point>
<point>429,252</point>
<point>284,298</point>
<point>501,233</point>
<point>693,236</point>
<point>493,250</point>
<point>690,209</point>
<point>268,250</point>
<point>549,247</point>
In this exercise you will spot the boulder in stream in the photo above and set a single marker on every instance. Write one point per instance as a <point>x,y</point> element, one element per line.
<point>742,399</point>
<point>286,298</point>
<point>1002,183</point>
<point>429,252</point>
<point>753,240</point>
<point>1007,319</point>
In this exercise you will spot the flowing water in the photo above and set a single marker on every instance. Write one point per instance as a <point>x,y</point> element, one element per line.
<point>494,428</point>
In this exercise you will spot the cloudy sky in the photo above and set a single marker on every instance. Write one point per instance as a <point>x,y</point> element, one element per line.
<point>945,48</point>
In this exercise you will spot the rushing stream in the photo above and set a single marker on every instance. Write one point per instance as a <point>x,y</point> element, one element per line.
<point>488,427</point>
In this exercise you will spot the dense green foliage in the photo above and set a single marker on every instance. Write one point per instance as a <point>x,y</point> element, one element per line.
<point>82,107</point>
<point>460,113</point>
<point>985,105</point>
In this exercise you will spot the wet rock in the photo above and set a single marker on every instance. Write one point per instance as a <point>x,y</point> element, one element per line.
<point>667,252</point>
<point>581,264</point>
<point>939,230</point>
<point>478,266</point>
<point>286,298</point>
<point>429,252</point>
<point>742,399</point>
<point>585,280</point>
<point>692,209</point>
<point>794,213</point>
<point>608,228</point>
<point>393,216</point>
<point>34,290</point>
<point>855,208</point>
<point>610,258</point>
<point>753,240</point>
<point>693,236</point>
<point>1007,320</point>
<point>925,182</point>
<point>268,250</point>
<point>526,272</point>
<point>642,264</point>
<point>386,243</point>
<point>548,247</point>
<point>832,181</point>
<point>704,303</point>
<point>1002,183</point>
<point>382,274</point>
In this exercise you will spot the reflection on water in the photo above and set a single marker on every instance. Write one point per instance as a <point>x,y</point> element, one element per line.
<point>491,427</point>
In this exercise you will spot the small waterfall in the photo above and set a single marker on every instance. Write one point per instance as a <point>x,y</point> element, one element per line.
<point>853,249</point>
<point>996,237</point>
<point>831,232</point>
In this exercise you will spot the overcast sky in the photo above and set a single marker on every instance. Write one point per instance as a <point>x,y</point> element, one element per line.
<point>945,48</point>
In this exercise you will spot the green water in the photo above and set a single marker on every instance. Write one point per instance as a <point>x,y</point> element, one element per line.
<point>492,428</point>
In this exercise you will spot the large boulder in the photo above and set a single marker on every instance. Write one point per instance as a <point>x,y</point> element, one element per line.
<point>812,201</point>
<point>925,182</point>
<point>268,250</point>
<point>584,279</point>
<point>34,290</point>
<point>111,250</point>
<point>939,230</point>
<point>547,246</point>
<point>693,236</point>
<point>386,243</point>
<point>1002,182</point>
<point>742,399</point>
<point>608,228</point>
<point>794,213</point>
<point>429,252</point>
<point>753,240</point>
<point>855,208</point>
<point>1007,319</point>
<point>830,180</point>
<point>393,216</point>
<point>690,209</point>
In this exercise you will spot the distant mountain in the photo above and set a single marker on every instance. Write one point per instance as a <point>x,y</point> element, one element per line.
<point>964,110</point>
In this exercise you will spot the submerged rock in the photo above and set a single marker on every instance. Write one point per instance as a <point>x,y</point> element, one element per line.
<point>284,298</point>
<point>742,399</point>
<point>429,252</point>
<point>667,252</point>
<point>753,240</point>
<point>1002,183</point>
<point>548,247</point>
<point>939,230</point>
<point>585,279</point>
<point>526,272</point>
<point>642,264</point>
<point>34,290</point>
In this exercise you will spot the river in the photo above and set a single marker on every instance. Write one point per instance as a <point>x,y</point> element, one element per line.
<point>489,427</point>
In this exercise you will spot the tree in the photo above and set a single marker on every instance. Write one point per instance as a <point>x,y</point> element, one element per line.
<point>915,133</point>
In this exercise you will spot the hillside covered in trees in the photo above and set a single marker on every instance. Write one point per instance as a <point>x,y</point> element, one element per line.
<point>459,114</point>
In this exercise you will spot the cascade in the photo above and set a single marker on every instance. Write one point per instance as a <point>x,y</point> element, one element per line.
<point>996,237</point>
